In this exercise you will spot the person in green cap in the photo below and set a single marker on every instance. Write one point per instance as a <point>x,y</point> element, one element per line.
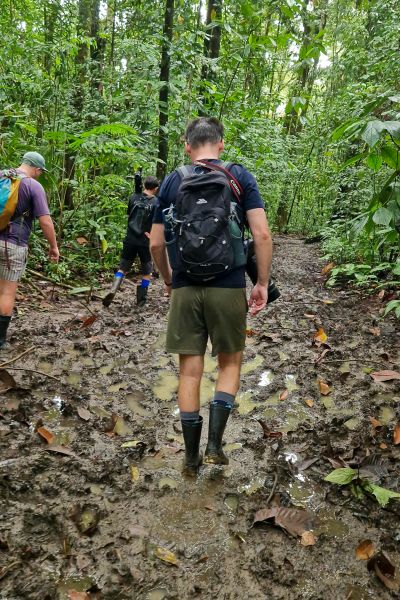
<point>31,204</point>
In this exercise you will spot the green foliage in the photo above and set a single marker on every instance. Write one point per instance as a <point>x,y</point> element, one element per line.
<point>359,486</point>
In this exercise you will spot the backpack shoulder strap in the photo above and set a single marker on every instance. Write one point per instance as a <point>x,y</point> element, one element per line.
<point>235,186</point>
<point>184,171</point>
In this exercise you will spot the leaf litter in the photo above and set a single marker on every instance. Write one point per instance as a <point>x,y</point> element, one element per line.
<point>293,520</point>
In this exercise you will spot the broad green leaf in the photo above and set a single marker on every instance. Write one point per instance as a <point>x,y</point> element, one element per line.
<point>382,216</point>
<point>341,476</point>
<point>374,161</point>
<point>392,305</point>
<point>383,495</point>
<point>391,156</point>
<point>350,161</point>
<point>346,129</point>
<point>371,132</point>
<point>104,245</point>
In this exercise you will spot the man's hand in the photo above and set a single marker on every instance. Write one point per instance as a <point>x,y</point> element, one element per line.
<point>168,290</point>
<point>258,298</point>
<point>54,254</point>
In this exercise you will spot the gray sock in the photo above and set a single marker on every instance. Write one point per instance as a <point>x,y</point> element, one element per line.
<point>223,399</point>
<point>189,416</point>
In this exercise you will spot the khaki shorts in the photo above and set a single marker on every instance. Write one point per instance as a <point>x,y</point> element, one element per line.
<point>198,313</point>
<point>12,261</point>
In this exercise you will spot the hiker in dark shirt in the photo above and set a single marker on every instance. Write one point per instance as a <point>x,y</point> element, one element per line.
<point>32,204</point>
<point>136,243</point>
<point>213,307</point>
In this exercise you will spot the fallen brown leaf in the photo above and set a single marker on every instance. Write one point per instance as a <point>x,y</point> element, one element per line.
<point>83,413</point>
<point>383,446</point>
<point>7,381</point>
<point>72,595</point>
<point>283,395</point>
<point>385,570</point>
<point>320,336</point>
<point>328,268</point>
<point>267,431</point>
<point>89,321</point>
<point>375,422</point>
<point>385,375</point>
<point>375,331</point>
<point>365,550</point>
<point>323,387</point>
<point>46,434</point>
<point>293,520</point>
<point>396,434</point>
<point>307,538</point>
<point>166,556</point>
<point>309,402</point>
<point>81,240</point>
<point>61,450</point>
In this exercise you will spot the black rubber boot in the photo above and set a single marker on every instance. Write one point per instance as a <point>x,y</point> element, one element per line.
<point>191,434</point>
<point>4,323</point>
<point>114,289</point>
<point>218,418</point>
<point>141,295</point>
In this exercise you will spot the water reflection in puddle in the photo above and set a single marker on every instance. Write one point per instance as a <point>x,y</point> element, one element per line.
<point>266,378</point>
<point>76,584</point>
<point>253,486</point>
<point>165,386</point>
<point>134,401</point>
<point>290,383</point>
<point>157,594</point>
<point>252,365</point>
<point>246,402</point>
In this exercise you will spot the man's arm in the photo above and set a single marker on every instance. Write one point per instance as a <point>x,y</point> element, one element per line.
<point>46,225</point>
<point>263,249</point>
<point>159,253</point>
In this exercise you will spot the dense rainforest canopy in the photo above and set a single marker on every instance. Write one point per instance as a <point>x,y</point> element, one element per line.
<point>308,92</point>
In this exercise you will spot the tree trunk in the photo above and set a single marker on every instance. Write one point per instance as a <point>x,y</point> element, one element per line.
<point>164,89</point>
<point>212,43</point>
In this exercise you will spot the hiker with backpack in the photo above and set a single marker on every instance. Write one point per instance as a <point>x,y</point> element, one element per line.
<point>22,199</point>
<point>197,243</point>
<point>136,243</point>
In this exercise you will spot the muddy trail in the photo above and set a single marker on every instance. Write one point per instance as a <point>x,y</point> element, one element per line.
<point>93,502</point>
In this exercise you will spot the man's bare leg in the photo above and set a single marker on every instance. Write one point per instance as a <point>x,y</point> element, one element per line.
<point>8,291</point>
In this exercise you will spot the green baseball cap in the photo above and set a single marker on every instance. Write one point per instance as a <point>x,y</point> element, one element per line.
<point>34,159</point>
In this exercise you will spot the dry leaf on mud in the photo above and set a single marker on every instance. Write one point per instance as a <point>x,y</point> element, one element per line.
<point>383,446</point>
<point>309,402</point>
<point>396,434</point>
<point>323,387</point>
<point>134,473</point>
<point>385,375</point>
<point>72,595</point>
<point>327,268</point>
<point>375,331</point>
<point>166,556</point>
<point>89,321</point>
<point>45,434</point>
<point>61,450</point>
<point>327,301</point>
<point>250,332</point>
<point>132,444</point>
<point>293,520</point>
<point>283,395</point>
<point>81,240</point>
<point>365,550</point>
<point>375,422</point>
<point>307,538</point>
<point>83,413</point>
<point>320,336</point>
<point>385,570</point>
<point>7,381</point>
<point>267,431</point>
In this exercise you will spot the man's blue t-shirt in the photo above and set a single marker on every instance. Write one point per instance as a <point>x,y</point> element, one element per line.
<point>250,199</point>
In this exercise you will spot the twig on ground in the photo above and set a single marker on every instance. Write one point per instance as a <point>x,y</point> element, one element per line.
<point>8,362</point>
<point>8,568</point>
<point>272,489</point>
<point>36,288</point>
<point>32,371</point>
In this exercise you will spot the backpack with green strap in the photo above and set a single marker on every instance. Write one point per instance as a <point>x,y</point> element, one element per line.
<point>10,181</point>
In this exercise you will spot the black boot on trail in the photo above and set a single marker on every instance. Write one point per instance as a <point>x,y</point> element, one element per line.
<point>191,434</point>
<point>4,323</point>
<point>218,418</point>
<point>114,289</point>
<point>141,295</point>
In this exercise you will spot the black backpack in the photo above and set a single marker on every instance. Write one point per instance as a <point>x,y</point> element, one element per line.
<point>140,217</point>
<point>207,237</point>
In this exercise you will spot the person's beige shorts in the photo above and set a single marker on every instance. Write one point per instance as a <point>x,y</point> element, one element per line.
<point>12,261</point>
